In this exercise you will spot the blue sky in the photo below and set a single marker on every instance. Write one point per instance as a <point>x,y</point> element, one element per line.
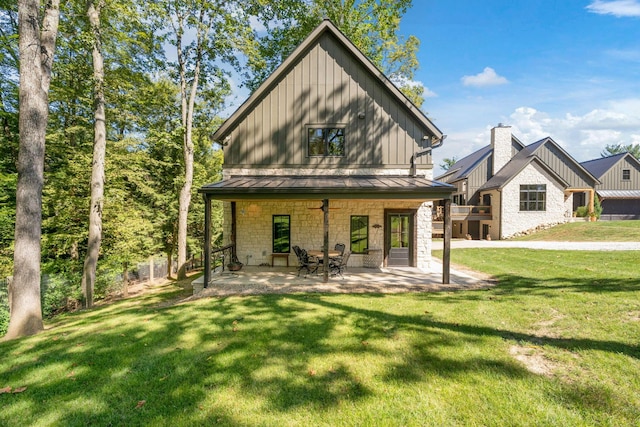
<point>568,69</point>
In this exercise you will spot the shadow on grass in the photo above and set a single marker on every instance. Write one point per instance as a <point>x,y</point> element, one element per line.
<point>201,362</point>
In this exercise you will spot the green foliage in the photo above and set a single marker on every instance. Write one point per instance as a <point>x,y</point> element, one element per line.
<point>597,206</point>
<point>613,149</point>
<point>4,306</point>
<point>447,163</point>
<point>371,24</point>
<point>582,211</point>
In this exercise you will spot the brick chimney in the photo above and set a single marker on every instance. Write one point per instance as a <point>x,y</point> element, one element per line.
<point>501,144</point>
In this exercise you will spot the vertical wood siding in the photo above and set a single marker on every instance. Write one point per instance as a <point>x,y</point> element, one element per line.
<point>564,167</point>
<point>612,179</point>
<point>326,87</point>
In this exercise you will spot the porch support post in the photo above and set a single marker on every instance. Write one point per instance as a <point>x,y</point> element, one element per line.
<point>207,240</point>
<point>592,196</point>
<point>446,252</point>
<point>325,248</point>
<point>234,254</point>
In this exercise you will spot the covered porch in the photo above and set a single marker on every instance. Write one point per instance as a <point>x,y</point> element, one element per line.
<point>254,200</point>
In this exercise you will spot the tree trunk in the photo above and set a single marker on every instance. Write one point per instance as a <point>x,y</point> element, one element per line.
<point>98,165</point>
<point>125,280</point>
<point>36,47</point>
<point>188,105</point>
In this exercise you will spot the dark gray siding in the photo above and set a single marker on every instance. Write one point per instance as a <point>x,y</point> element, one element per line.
<point>326,87</point>
<point>480,175</point>
<point>612,179</point>
<point>564,166</point>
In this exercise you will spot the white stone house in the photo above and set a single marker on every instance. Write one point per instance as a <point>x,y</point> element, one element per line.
<point>507,188</point>
<point>327,150</point>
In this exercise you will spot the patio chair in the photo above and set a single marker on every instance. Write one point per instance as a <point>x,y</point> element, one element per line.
<point>338,265</point>
<point>340,248</point>
<point>304,262</point>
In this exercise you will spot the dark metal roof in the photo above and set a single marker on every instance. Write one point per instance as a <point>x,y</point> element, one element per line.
<point>330,187</point>
<point>515,166</point>
<point>463,167</point>
<point>599,167</point>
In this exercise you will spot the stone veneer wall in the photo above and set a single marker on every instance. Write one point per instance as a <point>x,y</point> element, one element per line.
<point>254,226</point>
<point>558,205</point>
<point>254,218</point>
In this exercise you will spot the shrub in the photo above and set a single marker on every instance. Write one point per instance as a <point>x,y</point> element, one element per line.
<point>582,211</point>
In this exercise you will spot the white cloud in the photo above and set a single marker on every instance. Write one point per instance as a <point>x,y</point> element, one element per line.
<point>401,81</point>
<point>583,136</point>
<point>488,77</point>
<point>617,8</point>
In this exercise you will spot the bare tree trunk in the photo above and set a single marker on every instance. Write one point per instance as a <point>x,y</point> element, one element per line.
<point>36,47</point>
<point>98,165</point>
<point>188,104</point>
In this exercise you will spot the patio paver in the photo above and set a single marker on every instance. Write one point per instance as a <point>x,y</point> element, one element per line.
<point>259,280</point>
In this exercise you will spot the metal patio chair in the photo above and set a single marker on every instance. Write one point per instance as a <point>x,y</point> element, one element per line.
<point>337,266</point>
<point>304,261</point>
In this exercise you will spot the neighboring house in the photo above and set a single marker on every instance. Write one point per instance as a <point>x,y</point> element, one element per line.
<point>507,188</point>
<point>327,150</point>
<point>619,188</point>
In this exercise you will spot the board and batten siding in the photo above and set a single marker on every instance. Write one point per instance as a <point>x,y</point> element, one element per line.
<point>561,164</point>
<point>327,87</point>
<point>612,179</point>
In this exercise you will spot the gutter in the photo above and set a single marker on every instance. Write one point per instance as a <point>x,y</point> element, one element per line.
<point>414,156</point>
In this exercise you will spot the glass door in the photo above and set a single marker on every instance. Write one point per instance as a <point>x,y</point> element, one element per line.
<point>399,239</point>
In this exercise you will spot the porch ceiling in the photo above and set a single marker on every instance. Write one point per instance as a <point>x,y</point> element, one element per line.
<point>328,187</point>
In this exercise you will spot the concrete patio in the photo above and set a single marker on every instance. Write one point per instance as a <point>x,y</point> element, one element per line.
<point>281,280</point>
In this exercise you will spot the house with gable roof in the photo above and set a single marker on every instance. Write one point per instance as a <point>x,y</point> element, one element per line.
<point>507,188</point>
<point>619,187</point>
<point>328,150</point>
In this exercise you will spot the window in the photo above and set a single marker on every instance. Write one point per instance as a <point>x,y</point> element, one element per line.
<point>533,197</point>
<point>281,234</point>
<point>359,234</point>
<point>325,141</point>
<point>626,174</point>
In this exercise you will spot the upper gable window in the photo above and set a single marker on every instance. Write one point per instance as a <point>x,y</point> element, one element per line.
<point>325,141</point>
<point>626,174</point>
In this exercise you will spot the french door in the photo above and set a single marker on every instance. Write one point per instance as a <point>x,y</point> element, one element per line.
<point>400,238</point>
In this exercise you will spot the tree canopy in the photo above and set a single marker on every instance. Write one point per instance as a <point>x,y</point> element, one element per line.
<point>613,149</point>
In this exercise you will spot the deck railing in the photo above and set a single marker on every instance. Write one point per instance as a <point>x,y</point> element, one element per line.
<point>462,212</point>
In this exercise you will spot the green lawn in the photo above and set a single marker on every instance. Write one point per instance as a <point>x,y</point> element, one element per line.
<point>599,231</point>
<point>554,343</point>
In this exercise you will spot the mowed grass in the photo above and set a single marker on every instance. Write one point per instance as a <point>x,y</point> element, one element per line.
<point>555,343</point>
<point>599,231</point>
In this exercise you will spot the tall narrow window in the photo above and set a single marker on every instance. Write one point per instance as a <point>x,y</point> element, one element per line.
<point>626,174</point>
<point>327,141</point>
<point>533,197</point>
<point>281,234</point>
<point>359,234</point>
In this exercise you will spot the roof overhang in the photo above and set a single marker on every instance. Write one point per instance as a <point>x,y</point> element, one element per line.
<point>327,187</point>
<point>619,194</point>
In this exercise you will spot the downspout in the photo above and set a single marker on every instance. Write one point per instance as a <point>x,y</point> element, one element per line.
<point>414,156</point>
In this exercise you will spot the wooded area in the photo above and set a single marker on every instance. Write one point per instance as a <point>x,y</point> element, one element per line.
<point>118,143</point>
